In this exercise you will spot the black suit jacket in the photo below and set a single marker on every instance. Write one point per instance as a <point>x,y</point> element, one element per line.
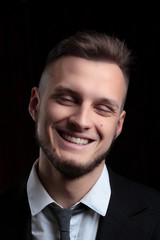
<point>133,212</point>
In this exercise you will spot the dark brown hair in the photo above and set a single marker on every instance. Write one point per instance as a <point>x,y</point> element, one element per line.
<point>92,45</point>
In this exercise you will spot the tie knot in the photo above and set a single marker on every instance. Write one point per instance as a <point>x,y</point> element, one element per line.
<point>63,217</point>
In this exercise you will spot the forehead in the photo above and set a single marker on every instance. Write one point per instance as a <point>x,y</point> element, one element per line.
<point>86,76</point>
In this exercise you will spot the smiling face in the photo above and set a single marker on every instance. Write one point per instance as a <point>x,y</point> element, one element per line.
<point>79,113</point>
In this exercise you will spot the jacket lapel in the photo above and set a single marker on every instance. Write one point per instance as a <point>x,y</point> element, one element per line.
<point>25,231</point>
<point>114,224</point>
<point>128,217</point>
<point>19,214</point>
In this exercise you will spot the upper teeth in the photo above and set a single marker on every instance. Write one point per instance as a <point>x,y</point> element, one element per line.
<point>79,141</point>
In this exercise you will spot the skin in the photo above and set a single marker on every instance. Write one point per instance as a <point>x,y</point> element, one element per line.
<point>82,99</point>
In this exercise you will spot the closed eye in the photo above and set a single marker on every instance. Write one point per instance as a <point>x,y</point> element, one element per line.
<point>65,99</point>
<point>104,110</point>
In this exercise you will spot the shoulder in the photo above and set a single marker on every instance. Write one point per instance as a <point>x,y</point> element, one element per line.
<point>133,211</point>
<point>15,187</point>
<point>14,211</point>
<point>132,192</point>
<point>14,196</point>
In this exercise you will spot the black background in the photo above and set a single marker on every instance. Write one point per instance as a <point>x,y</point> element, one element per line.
<point>29,29</point>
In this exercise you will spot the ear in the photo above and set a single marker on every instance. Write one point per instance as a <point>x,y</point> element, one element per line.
<point>34,103</point>
<point>120,123</point>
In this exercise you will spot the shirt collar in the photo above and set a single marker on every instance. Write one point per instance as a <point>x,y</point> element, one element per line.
<point>37,195</point>
<point>97,198</point>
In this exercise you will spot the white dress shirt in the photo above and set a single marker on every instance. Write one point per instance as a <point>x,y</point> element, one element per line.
<point>82,226</point>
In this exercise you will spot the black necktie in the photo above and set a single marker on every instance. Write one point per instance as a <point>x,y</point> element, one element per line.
<point>63,217</point>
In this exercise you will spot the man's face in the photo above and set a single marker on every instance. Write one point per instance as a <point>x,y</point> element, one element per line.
<point>79,114</point>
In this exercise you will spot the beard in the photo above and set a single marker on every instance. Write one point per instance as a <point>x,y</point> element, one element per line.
<point>67,167</point>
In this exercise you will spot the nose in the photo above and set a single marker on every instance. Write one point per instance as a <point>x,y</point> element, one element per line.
<point>81,119</point>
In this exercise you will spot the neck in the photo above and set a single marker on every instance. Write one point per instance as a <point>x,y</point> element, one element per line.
<point>64,191</point>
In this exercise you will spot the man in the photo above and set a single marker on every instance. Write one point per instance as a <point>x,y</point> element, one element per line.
<point>78,111</point>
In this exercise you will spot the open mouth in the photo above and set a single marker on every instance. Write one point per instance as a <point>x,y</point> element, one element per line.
<point>75,140</point>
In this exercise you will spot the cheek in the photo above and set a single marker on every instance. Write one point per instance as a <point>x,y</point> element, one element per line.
<point>57,113</point>
<point>107,129</point>
<point>52,115</point>
<point>44,120</point>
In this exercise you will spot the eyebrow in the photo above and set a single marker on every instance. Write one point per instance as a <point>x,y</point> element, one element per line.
<point>64,89</point>
<point>111,102</point>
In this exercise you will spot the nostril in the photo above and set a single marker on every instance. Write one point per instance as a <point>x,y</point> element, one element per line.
<point>79,122</point>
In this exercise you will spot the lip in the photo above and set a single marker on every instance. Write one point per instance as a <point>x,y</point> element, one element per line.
<point>64,143</point>
<point>60,132</point>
